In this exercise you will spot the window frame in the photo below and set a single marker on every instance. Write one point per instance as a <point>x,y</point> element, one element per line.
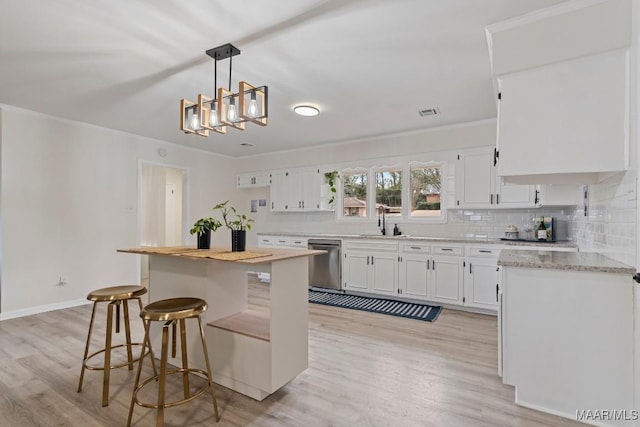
<point>388,168</point>
<point>340,204</point>
<point>442,218</point>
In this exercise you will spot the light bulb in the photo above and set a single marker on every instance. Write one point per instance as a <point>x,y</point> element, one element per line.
<point>253,108</point>
<point>213,118</point>
<point>232,113</point>
<point>195,123</point>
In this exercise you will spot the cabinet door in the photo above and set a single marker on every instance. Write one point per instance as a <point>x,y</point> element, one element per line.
<point>293,190</point>
<point>384,273</point>
<point>311,183</point>
<point>480,282</point>
<point>356,271</point>
<point>277,191</point>
<point>555,119</point>
<point>414,276</point>
<point>244,181</point>
<point>474,183</point>
<point>446,285</point>
<point>514,196</point>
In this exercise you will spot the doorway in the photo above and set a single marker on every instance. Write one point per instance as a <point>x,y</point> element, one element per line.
<point>162,207</point>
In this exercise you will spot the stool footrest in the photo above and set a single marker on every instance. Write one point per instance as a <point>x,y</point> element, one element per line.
<point>193,396</point>
<point>101,367</point>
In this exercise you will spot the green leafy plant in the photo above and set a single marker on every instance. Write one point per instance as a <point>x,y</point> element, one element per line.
<point>204,224</point>
<point>332,178</point>
<point>231,218</point>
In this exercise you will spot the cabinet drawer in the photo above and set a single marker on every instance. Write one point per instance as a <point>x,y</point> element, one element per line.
<point>447,250</point>
<point>282,241</point>
<point>298,243</point>
<point>370,245</point>
<point>416,249</point>
<point>266,241</point>
<point>489,252</point>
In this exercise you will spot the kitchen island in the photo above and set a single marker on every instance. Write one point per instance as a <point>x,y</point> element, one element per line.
<point>252,352</point>
<point>567,332</point>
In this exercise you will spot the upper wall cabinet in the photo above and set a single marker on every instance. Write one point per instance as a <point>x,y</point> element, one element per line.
<point>252,180</point>
<point>565,122</point>
<point>296,190</point>
<point>562,77</point>
<point>478,186</point>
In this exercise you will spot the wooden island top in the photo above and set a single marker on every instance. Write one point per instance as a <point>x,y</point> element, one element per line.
<point>250,256</point>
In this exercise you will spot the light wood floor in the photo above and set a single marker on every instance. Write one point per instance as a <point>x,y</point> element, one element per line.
<point>364,370</point>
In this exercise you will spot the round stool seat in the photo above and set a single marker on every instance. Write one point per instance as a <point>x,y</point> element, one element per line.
<point>115,293</point>
<point>173,309</point>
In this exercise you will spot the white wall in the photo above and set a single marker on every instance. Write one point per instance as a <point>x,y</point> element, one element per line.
<point>441,144</point>
<point>69,200</point>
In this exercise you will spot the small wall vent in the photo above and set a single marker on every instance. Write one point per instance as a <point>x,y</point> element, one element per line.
<point>429,112</point>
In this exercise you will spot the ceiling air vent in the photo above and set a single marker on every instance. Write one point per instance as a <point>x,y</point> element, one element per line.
<point>429,112</point>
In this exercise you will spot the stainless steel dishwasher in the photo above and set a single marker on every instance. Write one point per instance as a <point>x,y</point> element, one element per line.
<point>325,270</point>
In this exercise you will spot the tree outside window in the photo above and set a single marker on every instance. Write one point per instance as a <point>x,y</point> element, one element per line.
<point>425,191</point>
<point>354,197</point>
<point>389,192</point>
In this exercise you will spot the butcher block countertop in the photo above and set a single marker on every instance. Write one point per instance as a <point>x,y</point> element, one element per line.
<point>250,256</point>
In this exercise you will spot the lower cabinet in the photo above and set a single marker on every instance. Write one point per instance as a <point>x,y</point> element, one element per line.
<point>447,280</point>
<point>370,267</point>
<point>481,277</point>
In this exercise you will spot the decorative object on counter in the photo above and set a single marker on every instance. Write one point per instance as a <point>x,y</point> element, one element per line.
<point>332,178</point>
<point>425,312</point>
<point>237,223</point>
<point>512,232</point>
<point>203,227</point>
<point>226,108</point>
<point>541,231</point>
<point>396,230</point>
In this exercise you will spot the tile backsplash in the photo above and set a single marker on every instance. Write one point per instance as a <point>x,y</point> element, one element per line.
<point>610,225</point>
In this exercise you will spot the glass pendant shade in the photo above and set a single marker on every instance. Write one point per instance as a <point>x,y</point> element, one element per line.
<point>228,109</point>
<point>190,118</point>
<point>253,103</point>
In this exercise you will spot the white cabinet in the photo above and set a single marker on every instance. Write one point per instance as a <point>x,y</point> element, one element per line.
<point>481,277</point>
<point>252,180</point>
<point>370,266</point>
<point>565,122</point>
<point>274,241</point>
<point>478,185</point>
<point>447,283</point>
<point>415,273</point>
<point>295,190</point>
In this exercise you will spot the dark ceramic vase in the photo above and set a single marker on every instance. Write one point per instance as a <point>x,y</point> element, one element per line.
<point>238,240</point>
<point>204,239</point>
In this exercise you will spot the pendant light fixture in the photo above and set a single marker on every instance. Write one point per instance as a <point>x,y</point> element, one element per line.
<point>225,109</point>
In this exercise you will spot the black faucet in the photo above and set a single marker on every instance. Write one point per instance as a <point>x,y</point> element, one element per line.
<point>383,229</point>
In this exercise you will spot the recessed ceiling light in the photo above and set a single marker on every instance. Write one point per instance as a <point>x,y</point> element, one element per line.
<point>306,110</point>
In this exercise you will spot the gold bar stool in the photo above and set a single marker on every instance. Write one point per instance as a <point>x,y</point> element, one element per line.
<point>115,296</point>
<point>171,311</point>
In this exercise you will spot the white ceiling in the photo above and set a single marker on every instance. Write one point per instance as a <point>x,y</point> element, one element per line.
<point>369,65</point>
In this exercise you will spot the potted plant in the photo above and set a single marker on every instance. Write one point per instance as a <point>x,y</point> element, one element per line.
<point>237,223</point>
<point>331,178</point>
<point>203,227</point>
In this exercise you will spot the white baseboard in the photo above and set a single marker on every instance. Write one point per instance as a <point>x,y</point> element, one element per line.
<point>43,308</point>
<point>556,412</point>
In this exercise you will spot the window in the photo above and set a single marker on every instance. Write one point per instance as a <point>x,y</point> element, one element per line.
<point>354,194</point>
<point>425,191</point>
<point>389,192</point>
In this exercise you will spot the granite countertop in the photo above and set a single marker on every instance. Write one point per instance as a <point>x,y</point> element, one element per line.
<point>575,261</point>
<point>412,238</point>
